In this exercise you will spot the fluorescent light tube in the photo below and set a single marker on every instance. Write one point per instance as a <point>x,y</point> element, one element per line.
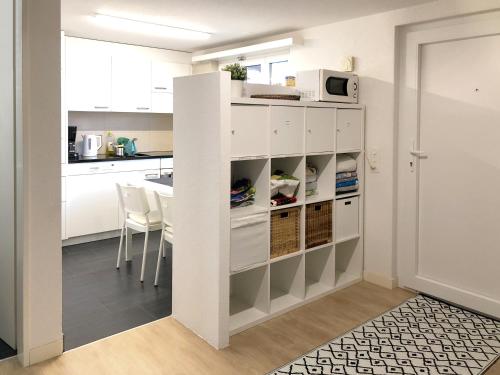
<point>241,51</point>
<point>149,28</point>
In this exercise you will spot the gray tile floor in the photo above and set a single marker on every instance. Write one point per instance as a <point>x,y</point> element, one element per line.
<point>99,300</point>
<point>5,350</point>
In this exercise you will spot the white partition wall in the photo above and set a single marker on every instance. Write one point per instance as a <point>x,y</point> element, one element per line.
<point>200,295</point>
<point>225,278</point>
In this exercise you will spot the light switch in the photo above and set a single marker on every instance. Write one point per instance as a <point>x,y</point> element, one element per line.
<point>372,155</point>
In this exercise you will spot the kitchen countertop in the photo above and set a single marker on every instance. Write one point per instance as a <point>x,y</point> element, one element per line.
<point>141,156</point>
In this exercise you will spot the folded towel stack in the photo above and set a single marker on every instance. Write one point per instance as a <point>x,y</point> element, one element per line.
<point>284,188</point>
<point>311,180</point>
<point>347,176</point>
<point>242,193</point>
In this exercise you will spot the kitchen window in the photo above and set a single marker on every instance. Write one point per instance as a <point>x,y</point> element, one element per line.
<point>265,70</point>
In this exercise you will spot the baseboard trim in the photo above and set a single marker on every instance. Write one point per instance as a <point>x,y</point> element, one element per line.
<point>47,351</point>
<point>380,280</point>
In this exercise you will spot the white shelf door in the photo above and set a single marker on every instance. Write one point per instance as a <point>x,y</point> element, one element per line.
<point>249,127</point>
<point>131,82</point>
<point>92,204</point>
<point>320,130</point>
<point>88,76</point>
<point>287,130</point>
<point>349,129</point>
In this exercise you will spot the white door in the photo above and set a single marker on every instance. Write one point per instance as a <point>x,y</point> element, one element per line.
<point>449,202</point>
<point>7,165</point>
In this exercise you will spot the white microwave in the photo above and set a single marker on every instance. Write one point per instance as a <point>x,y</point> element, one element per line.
<point>323,85</point>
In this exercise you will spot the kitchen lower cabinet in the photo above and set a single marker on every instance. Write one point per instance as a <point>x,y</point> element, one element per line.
<point>91,199</point>
<point>92,204</point>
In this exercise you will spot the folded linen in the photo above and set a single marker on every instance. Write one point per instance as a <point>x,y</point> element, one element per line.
<point>347,183</point>
<point>346,189</point>
<point>346,175</point>
<point>311,174</point>
<point>282,183</point>
<point>346,163</point>
<point>347,179</point>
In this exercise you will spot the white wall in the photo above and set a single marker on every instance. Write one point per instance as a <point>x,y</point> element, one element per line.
<point>154,131</point>
<point>7,229</point>
<point>372,40</point>
<point>39,166</point>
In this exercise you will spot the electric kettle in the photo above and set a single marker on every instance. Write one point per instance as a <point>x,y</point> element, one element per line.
<point>91,144</point>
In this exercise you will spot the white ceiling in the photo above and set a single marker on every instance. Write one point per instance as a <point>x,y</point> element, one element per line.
<point>228,20</point>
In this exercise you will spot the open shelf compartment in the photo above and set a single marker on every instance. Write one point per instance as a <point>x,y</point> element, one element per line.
<point>257,171</point>
<point>320,271</point>
<point>359,157</point>
<point>295,166</point>
<point>287,283</point>
<point>249,297</point>
<point>325,177</point>
<point>348,263</point>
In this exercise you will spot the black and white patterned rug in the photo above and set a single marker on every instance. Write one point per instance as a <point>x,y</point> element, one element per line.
<point>421,336</point>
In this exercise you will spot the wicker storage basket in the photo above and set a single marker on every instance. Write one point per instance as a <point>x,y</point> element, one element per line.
<point>318,223</point>
<point>285,231</point>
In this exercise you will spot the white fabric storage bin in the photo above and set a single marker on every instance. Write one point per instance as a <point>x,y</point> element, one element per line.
<point>249,241</point>
<point>346,218</point>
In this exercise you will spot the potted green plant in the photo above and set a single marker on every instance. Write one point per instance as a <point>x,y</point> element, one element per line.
<point>238,75</point>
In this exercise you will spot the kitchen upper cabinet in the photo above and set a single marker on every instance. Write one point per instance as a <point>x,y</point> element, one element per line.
<point>162,102</point>
<point>88,75</point>
<point>131,84</point>
<point>162,84</point>
<point>113,77</point>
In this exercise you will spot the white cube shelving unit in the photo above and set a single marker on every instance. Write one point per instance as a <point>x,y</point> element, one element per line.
<point>222,283</point>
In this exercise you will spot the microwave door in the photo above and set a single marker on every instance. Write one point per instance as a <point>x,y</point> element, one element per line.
<point>337,86</point>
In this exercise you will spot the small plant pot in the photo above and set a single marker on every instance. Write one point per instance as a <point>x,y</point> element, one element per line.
<point>236,88</point>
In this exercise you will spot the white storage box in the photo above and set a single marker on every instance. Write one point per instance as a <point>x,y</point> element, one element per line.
<point>349,126</point>
<point>249,241</point>
<point>346,219</point>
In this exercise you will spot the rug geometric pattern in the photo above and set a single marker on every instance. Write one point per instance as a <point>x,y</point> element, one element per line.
<point>422,336</point>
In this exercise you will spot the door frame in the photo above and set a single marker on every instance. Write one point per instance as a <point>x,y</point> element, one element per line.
<point>408,110</point>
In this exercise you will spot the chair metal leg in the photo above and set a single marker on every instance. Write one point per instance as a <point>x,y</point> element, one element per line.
<point>161,250</point>
<point>144,254</point>
<point>164,251</point>
<point>120,248</point>
<point>128,244</point>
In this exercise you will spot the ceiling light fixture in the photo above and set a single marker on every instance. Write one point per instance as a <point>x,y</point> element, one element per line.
<point>149,28</point>
<point>248,50</point>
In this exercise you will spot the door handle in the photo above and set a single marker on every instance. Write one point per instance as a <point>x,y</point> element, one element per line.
<point>418,153</point>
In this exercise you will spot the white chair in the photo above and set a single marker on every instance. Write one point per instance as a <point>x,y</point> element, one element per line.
<point>137,216</point>
<point>165,207</point>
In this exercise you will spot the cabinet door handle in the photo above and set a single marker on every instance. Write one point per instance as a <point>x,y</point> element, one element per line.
<point>309,131</point>
<point>160,88</point>
<point>142,108</point>
<point>101,107</point>
<point>275,131</point>
<point>232,132</point>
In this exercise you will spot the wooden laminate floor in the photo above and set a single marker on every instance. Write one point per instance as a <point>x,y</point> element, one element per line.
<point>166,347</point>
